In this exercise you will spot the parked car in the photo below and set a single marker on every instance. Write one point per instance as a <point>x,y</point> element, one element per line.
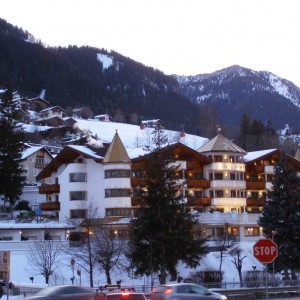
<point>184,291</point>
<point>122,296</point>
<point>64,292</point>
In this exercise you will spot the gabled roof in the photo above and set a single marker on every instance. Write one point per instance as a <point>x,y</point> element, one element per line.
<point>33,149</point>
<point>116,151</point>
<point>66,156</point>
<point>220,144</point>
<point>38,99</point>
<point>272,154</point>
<point>258,155</point>
<point>181,152</point>
<point>52,108</point>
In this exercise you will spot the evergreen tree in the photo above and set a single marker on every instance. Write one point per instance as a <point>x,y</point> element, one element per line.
<point>11,137</point>
<point>161,235</point>
<point>280,216</point>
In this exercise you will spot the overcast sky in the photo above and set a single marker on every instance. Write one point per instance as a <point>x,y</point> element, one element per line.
<point>184,37</point>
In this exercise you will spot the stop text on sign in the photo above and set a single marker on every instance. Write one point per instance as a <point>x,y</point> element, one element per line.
<point>265,250</point>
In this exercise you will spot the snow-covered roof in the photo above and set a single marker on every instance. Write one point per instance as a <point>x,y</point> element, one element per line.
<point>256,154</point>
<point>85,150</point>
<point>30,151</point>
<point>51,108</point>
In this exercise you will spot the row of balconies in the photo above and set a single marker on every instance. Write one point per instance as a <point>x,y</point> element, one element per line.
<point>205,184</point>
<point>191,183</point>
<point>191,201</point>
<point>206,201</point>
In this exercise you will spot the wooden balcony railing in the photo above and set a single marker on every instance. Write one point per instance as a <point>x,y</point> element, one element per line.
<point>198,183</point>
<point>49,189</point>
<point>192,201</point>
<point>135,201</point>
<point>255,201</point>
<point>40,165</point>
<point>50,206</point>
<point>255,185</point>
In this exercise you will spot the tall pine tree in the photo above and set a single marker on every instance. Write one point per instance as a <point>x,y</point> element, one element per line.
<point>11,146</point>
<point>162,233</point>
<point>280,217</point>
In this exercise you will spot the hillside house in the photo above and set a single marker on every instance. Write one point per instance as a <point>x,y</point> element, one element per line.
<point>50,112</point>
<point>34,159</point>
<point>103,118</point>
<point>38,104</point>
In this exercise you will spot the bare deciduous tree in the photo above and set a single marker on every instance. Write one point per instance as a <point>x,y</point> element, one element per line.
<point>236,253</point>
<point>110,250</point>
<point>83,252</point>
<point>44,257</point>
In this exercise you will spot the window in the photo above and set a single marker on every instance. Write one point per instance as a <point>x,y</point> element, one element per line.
<point>233,194</point>
<point>218,176</point>
<point>251,231</point>
<point>219,194</point>
<point>198,194</point>
<point>77,213</point>
<point>218,158</point>
<point>232,176</point>
<point>198,176</point>
<point>6,238</point>
<point>117,173</point>
<point>77,195</point>
<point>117,193</point>
<point>77,177</point>
<point>118,212</point>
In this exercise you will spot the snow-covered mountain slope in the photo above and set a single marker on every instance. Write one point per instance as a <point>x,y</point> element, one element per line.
<point>235,90</point>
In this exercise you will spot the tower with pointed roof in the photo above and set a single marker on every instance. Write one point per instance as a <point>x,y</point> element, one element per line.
<point>226,174</point>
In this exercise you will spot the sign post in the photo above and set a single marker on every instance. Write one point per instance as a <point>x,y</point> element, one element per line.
<point>265,251</point>
<point>5,268</point>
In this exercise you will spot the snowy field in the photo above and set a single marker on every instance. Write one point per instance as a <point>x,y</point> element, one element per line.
<point>21,270</point>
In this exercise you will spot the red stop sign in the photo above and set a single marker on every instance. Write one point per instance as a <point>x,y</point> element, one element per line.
<point>265,251</point>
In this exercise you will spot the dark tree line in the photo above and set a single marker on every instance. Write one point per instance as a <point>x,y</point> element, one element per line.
<point>280,218</point>
<point>11,147</point>
<point>254,135</point>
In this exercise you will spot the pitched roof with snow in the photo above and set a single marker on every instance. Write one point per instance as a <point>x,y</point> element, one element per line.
<point>257,154</point>
<point>221,144</point>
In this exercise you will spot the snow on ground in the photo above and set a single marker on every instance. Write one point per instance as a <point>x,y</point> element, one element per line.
<point>132,136</point>
<point>21,271</point>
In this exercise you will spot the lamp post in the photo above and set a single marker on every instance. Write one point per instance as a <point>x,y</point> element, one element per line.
<point>273,266</point>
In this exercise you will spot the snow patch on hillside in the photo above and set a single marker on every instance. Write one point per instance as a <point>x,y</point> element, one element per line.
<point>106,60</point>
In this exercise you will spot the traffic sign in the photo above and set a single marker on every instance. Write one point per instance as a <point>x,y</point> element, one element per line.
<point>265,250</point>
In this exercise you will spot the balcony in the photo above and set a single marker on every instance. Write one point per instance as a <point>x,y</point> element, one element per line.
<point>255,185</point>
<point>49,189</point>
<point>259,168</point>
<point>40,165</point>
<point>198,183</point>
<point>136,181</point>
<point>192,201</point>
<point>50,206</point>
<point>135,201</point>
<point>255,201</point>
